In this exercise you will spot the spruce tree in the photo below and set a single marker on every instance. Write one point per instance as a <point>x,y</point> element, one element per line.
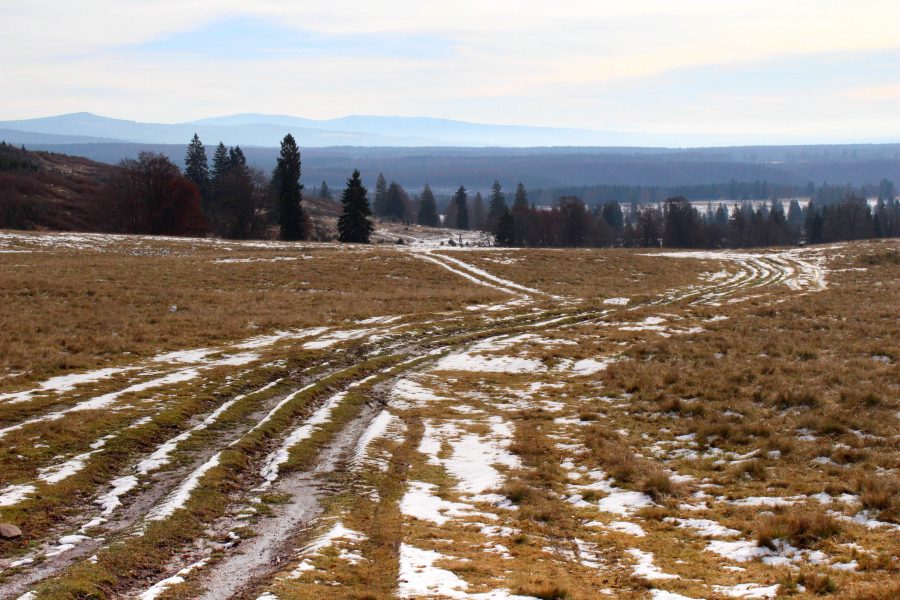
<point>221,163</point>
<point>612,214</point>
<point>521,200</point>
<point>290,191</point>
<point>354,225</point>
<point>196,166</point>
<point>324,191</point>
<point>497,205</point>
<point>428,215</point>
<point>236,157</point>
<point>505,235</point>
<point>461,200</point>
<point>394,205</point>
<point>478,218</point>
<point>381,188</point>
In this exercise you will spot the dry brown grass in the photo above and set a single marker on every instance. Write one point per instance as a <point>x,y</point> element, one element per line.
<point>801,526</point>
<point>748,388</point>
<point>884,591</point>
<point>67,309</point>
<point>590,274</point>
<point>881,493</point>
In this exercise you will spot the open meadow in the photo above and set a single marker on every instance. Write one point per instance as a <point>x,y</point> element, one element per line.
<point>202,418</point>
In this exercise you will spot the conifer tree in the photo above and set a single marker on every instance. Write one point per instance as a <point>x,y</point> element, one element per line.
<point>196,166</point>
<point>394,205</point>
<point>478,218</point>
<point>325,191</point>
<point>293,221</point>
<point>221,163</point>
<point>381,188</point>
<point>505,234</point>
<point>812,226</point>
<point>354,225</point>
<point>521,199</point>
<point>497,205</point>
<point>612,214</point>
<point>236,157</point>
<point>461,200</point>
<point>428,215</point>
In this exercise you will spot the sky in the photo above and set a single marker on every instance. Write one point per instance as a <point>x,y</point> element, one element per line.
<point>807,69</point>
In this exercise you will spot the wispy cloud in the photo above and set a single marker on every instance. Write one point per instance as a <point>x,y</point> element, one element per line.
<point>251,38</point>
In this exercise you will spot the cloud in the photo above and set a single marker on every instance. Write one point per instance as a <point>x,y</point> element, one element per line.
<point>723,66</point>
<point>250,38</point>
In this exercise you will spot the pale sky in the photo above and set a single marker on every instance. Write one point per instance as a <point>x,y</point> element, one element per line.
<point>822,68</point>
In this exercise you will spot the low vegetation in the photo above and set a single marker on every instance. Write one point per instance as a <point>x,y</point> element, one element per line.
<point>308,423</point>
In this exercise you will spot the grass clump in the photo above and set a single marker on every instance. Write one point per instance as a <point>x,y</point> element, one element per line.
<point>658,485</point>
<point>802,527</point>
<point>880,493</point>
<point>817,583</point>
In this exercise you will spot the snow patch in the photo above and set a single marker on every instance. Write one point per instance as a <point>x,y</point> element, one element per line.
<point>180,496</point>
<point>747,590</point>
<point>419,578</point>
<point>14,494</point>
<point>420,502</point>
<point>158,588</point>
<point>645,567</point>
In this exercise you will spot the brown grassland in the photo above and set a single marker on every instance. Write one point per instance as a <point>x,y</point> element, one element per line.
<point>408,431</point>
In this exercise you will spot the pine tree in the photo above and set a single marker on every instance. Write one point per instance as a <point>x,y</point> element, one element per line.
<point>293,221</point>
<point>354,225</point>
<point>381,188</point>
<point>461,200</point>
<point>497,204</point>
<point>196,166</point>
<point>521,200</point>
<point>428,215</point>
<point>324,191</point>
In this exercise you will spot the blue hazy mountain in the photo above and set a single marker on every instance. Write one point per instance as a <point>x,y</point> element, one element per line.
<point>253,129</point>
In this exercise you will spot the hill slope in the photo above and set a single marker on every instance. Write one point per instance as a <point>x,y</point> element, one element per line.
<point>42,190</point>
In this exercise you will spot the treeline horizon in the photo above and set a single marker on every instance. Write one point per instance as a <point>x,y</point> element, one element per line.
<point>230,199</point>
<point>731,191</point>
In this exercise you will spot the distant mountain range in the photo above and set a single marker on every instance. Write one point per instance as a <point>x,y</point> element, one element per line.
<point>260,130</point>
<point>447,153</point>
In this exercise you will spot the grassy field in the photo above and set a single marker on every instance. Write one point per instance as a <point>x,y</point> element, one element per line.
<point>211,419</point>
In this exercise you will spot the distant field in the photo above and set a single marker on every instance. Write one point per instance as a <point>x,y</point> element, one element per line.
<point>185,418</point>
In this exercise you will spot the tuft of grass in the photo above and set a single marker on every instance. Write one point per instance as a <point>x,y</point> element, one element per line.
<point>544,591</point>
<point>883,591</point>
<point>794,398</point>
<point>880,493</point>
<point>817,583</point>
<point>658,485</point>
<point>518,492</point>
<point>752,469</point>
<point>800,526</point>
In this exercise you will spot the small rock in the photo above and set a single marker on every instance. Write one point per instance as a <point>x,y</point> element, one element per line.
<point>9,532</point>
<point>173,309</point>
